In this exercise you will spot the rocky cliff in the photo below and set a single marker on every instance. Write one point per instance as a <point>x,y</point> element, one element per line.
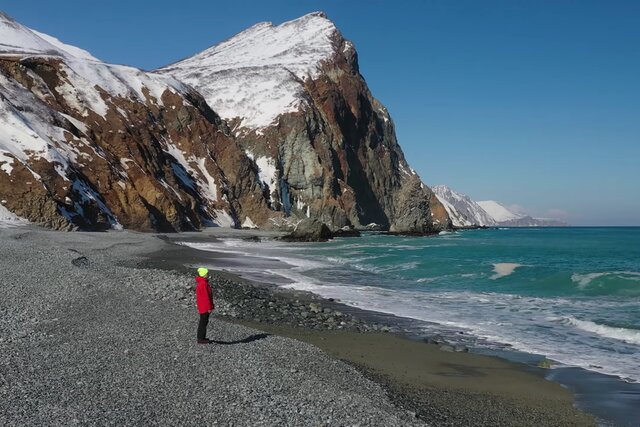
<point>324,146</point>
<point>85,144</point>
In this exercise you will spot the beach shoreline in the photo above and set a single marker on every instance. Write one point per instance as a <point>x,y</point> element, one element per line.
<point>528,391</point>
<point>87,338</point>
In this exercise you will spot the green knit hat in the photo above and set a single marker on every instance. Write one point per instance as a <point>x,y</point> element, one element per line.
<point>203,272</point>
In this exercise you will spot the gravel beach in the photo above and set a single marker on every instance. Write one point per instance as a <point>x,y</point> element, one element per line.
<point>87,340</point>
<point>99,328</point>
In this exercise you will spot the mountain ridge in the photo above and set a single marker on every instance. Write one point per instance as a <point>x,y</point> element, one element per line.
<point>465,212</point>
<point>119,147</point>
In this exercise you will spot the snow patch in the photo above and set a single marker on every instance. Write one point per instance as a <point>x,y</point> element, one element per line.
<point>9,219</point>
<point>248,223</point>
<point>211,190</point>
<point>267,171</point>
<point>223,219</point>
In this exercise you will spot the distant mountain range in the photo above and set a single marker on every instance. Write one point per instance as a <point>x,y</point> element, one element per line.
<point>465,212</point>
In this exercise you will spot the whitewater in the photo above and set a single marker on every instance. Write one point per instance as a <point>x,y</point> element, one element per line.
<point>571,295</point>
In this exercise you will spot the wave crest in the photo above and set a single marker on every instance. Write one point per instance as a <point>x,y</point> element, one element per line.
<point>631,336</point>
<point>584,279</point>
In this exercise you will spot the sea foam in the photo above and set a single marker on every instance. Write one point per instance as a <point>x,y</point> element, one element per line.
<point>504,269</point>
<point>631,336</point>
<point>584,280</point>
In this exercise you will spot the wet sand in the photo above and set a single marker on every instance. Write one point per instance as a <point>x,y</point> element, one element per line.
<point>447,388</point>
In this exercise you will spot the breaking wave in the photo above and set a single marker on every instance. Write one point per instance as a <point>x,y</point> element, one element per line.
<point>584,280</point>
<point>631,336</point>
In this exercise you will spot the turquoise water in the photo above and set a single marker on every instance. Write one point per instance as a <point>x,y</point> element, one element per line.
<point>570,294</point>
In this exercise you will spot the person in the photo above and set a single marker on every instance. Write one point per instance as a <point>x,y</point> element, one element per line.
<point>204,302</point>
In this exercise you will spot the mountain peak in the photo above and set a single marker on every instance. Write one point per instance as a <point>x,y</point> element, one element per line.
<point>256,75</point>
<point>498,211</point>
<point>16,39</point>
<point>463,211</point>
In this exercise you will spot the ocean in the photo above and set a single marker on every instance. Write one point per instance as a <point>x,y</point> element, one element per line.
<point>570,294</point>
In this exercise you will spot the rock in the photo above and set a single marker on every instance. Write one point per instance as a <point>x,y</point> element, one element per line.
<point>336,161</point>
<point>80,262</point>
<point>436,339</point>
<point>447,348</point>
<point>461,348</point>
<point>309,230</point>
<point>545,363</point>
<point>346,231</point>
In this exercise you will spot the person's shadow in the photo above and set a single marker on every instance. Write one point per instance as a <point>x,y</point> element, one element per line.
<point>250,338</point>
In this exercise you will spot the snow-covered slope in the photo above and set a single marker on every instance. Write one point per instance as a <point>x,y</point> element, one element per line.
<point>94,145</point>
<point>259,73</point>
<point>107,144</point>
<point>8,219</point>
<point>31,130</point>
<point>463,211</point>
<point>498,212</point>
<point>323,146</point>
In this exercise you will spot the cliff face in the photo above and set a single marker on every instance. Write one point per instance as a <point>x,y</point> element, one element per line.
<point>84,144</point>
<point>324,147</point>
<point>90,145</point>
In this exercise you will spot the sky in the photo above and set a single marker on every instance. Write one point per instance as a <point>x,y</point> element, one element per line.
<point>535,104</point>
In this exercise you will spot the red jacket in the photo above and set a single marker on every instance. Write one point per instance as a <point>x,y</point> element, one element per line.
<point>204,296</point>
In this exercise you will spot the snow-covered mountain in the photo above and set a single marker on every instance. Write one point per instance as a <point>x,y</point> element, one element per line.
<point>464,212</point>
<point>324,146</point>
<point>259,74</point>
<point>498,212</point>
<point>93,145</point>
<point>507,217</point>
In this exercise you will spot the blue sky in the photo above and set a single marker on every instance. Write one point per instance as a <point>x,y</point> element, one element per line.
<point>531,103</point>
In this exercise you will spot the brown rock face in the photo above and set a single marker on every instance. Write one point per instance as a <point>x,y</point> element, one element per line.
<point>338,159</point>
<point>157,164</point>
<point>88,145</point>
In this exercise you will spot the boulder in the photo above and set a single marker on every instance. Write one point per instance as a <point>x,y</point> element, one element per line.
<point>309,230</point>
<point>346,231</point>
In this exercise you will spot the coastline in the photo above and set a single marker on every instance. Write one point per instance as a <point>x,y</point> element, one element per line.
<point>440,385</point>
<point>87,338</point>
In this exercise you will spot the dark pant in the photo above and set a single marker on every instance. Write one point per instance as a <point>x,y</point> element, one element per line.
<point>202,326</point>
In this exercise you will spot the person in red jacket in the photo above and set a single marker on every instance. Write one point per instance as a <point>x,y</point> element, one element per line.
<point>204,301</point>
